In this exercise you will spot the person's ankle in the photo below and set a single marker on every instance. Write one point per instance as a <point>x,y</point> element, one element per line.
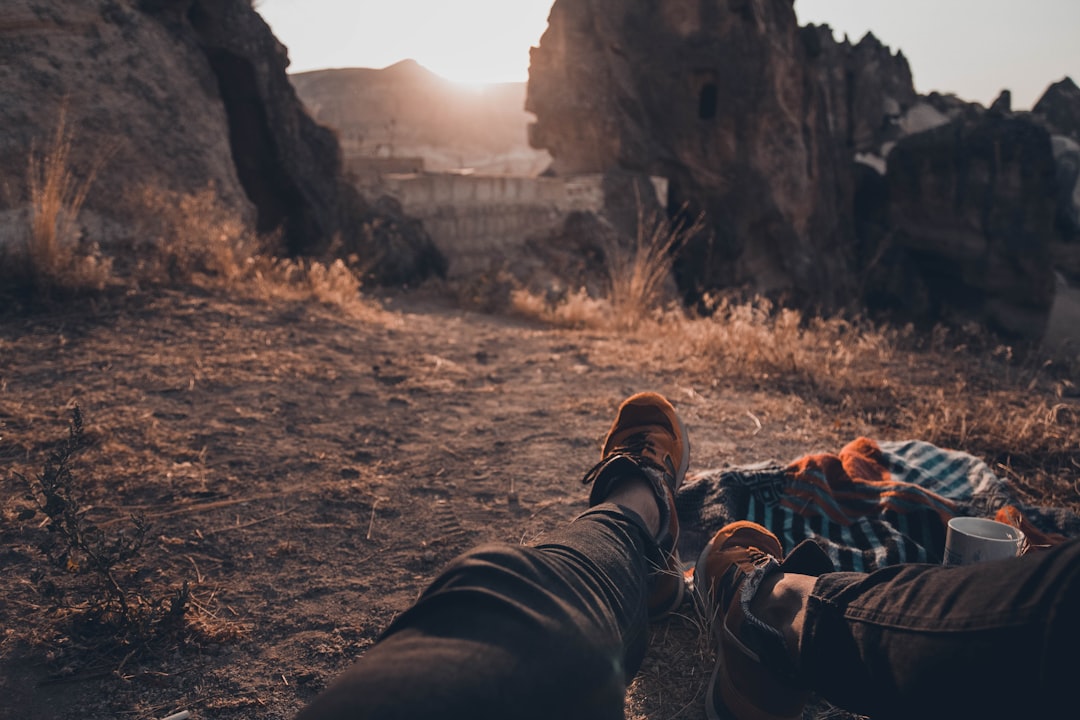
<point>780,602</point>
<point>637,494</point>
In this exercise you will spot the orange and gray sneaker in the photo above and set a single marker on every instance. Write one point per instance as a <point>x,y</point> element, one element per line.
<point>755,677</point>
<point>647,439</point>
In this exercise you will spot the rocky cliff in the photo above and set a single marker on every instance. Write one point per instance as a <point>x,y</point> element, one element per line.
<point>176,95</point>
<point>825,177</point>
<point>1059,107</point>
<point>752,119</point>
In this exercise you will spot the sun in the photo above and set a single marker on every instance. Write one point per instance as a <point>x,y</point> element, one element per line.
<point>474,72</point>
<point>473,42</point>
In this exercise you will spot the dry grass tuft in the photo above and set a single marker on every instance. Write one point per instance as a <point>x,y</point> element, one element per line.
<point>54,260</point>
<point>758,338</point>
<point>577,310</point>
<point>639,275</point>
<point>638,288</point>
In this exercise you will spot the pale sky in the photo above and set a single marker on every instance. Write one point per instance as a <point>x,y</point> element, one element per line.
<point>972,48</point>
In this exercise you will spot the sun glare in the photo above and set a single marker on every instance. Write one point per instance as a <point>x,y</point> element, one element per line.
<point>473,73</point>
<point>472,42</point>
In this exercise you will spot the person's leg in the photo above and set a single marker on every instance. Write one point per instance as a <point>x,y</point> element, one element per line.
<point>994,640</point>
<point>554,630</point>
<point>513,631</point>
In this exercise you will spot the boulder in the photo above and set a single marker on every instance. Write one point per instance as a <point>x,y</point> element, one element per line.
<point>972,208</point>
<point>177,95</point>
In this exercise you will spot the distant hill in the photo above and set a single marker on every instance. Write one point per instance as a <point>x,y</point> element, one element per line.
<point>406,110</point>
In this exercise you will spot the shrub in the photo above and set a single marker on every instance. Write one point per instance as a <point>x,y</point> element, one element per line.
<point>182,237</point>
<point>94,572</point>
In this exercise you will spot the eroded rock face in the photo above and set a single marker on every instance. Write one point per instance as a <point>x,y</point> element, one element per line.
<point>824,176</point>
<point>176,95</point>
<point>1059,111</point>
<point>751,119</point>
<point>972,207</point>
<point>867,87</point>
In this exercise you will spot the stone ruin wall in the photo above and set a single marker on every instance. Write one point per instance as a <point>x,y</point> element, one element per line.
<point>477,219</point>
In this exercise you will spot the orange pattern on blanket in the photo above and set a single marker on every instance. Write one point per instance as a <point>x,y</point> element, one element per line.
<point>1036,538</point>
<point>855,483</point>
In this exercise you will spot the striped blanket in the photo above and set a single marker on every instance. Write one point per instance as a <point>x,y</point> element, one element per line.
<point>869,506</point>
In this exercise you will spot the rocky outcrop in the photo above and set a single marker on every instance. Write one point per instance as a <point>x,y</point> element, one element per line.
<point>1059,108</point>
<point>971,209</point>
<point>1059,111</point>
<point>825,178</point>
<point>177,95</point>
<point>867,88</point>
<point>753,120</point>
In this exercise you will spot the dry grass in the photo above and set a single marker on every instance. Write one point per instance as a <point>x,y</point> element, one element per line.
<point>963,388</point>
<point>958,389</point>
<point>194,239</point>
<point>189,237</point>
<point>53,258</point>
<point>639,276</point>
<point>638,287</point>
<point>181,239</point>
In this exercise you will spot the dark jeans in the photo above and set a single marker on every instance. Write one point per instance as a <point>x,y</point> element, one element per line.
<point>995,640</point>
<point>558,630</point>
<point>552,631</point>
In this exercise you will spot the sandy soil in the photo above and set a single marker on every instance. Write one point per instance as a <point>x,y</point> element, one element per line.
<point>308,470</point>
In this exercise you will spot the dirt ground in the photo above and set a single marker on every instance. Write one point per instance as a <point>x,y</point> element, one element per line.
<point>308,470</point>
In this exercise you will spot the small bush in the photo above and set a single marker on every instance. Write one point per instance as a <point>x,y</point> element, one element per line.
<point>184,237</point>
<point>94,574</point>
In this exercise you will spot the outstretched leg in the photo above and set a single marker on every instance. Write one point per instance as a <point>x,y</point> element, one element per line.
<point>993,640</point>
<point>554,630</point>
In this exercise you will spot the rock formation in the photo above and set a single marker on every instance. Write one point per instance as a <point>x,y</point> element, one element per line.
<point>1059,107</point>
<point>751,119</point>
<point>972,206</point>
<point>1059,111</point>
<point>825,177</point>
<point>177,95</point>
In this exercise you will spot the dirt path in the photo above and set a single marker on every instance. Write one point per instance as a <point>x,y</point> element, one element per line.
<point>310,470</point>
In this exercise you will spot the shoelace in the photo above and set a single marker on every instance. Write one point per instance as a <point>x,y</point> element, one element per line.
<point>635,444</point>
<point>725,588</point>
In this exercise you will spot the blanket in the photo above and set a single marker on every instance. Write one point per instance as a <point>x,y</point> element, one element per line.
<point>869,506</point>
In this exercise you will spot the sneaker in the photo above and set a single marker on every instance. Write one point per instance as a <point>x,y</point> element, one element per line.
<point>754,677</point>
<point>648,439</point>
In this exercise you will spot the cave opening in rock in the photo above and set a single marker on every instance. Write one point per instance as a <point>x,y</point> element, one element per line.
<point>278,203</point>
<point>707,101</point>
